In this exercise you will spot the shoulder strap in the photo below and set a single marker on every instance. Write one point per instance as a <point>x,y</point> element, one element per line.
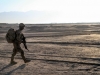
<point>15,36</point>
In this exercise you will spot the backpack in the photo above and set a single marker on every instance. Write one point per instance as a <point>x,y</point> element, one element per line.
<point>10,36</point>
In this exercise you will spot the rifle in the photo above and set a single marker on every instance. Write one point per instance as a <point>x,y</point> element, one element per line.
<point>24,42</point>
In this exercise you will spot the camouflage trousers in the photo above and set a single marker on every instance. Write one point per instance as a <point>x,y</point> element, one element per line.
<point>16,49</point>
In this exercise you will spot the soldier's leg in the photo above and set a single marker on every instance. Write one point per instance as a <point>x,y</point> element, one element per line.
<point>12,57</point>
<point>23,57</point>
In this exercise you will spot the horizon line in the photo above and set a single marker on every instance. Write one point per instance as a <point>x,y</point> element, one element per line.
<point>55,23</point>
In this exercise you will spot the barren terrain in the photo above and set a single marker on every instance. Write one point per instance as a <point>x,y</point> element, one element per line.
<point>54,50</point>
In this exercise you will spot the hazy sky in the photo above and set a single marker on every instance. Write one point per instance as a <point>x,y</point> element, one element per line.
<point>69,10</point>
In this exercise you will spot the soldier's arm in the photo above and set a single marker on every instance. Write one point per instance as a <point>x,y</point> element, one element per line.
<point>23,38</point>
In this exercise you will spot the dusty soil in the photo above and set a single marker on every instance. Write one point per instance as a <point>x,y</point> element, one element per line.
<point>54,50</point>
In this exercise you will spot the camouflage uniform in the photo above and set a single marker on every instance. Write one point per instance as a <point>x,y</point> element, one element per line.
<point>17,43</point>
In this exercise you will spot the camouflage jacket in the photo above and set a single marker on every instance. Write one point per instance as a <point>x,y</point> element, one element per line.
<point>19,36</point>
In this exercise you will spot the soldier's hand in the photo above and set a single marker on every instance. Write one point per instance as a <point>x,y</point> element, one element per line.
<point>23,41</point>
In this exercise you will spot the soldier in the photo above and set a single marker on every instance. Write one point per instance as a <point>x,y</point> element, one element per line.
<point>17,48</point>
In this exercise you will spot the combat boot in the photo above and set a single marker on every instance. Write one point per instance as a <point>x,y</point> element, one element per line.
<point>13,62</point>
<point>27,60</point>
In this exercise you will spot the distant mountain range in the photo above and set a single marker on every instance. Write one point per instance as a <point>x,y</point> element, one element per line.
<point>27,17</point>
<point>37,17</point>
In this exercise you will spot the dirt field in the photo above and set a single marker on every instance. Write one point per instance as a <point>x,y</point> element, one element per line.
<point>54,50</point>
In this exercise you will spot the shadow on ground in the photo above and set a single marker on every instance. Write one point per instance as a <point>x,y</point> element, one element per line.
<point>10,72</point>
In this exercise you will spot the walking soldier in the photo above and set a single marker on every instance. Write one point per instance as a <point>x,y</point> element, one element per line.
<point>16,37</point>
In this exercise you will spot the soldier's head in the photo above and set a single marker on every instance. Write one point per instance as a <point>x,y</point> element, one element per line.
<point>21,26</point>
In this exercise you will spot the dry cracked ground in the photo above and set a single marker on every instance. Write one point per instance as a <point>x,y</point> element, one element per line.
<point>54,50</point>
